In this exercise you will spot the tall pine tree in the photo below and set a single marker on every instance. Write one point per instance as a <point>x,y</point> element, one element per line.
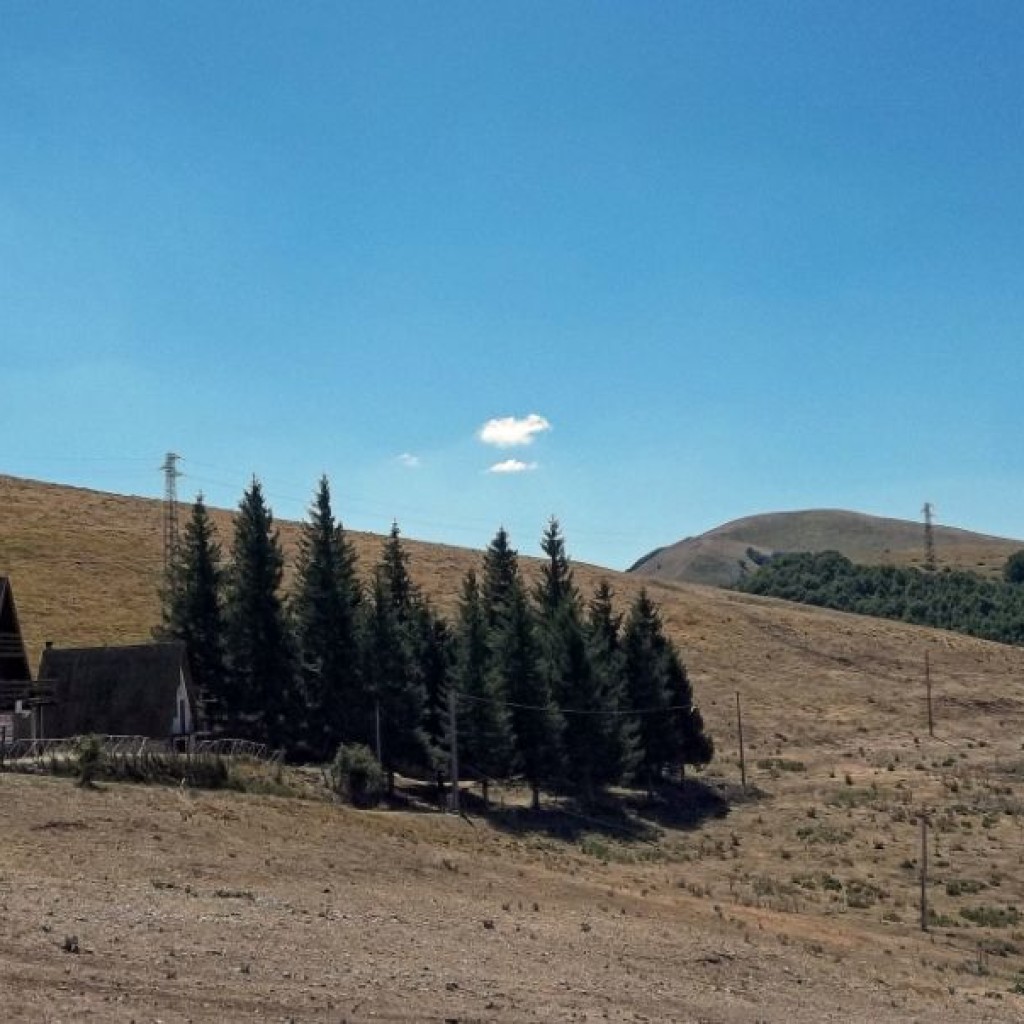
<point>536,723</point>
<point>433,651</point>
<point>261,701</point>
<point>484,727</point>
<point>324,608</point>
<point>645,651</point>
<point>586,703</point>
<point>671,730</point>
<point>395,677</point>
<point>193,611</point>
<point>691,744</point>
<point>621,742</point>
<point>556,586</point>
<point>500,573</point>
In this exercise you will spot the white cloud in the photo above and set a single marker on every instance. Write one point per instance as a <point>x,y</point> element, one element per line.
<point>409,461</point>
<point>508,432</point>
<point>513,466</point>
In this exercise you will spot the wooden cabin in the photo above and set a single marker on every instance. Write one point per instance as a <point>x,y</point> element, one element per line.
<point>137,690</point>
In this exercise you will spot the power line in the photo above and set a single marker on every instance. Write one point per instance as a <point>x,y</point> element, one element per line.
<point>616,713</point>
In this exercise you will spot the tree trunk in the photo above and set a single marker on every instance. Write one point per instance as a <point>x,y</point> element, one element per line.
<point>535,805</point>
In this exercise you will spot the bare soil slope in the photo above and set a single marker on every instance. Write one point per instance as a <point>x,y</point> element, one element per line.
<point>799,904</point>
<point>722,556</point>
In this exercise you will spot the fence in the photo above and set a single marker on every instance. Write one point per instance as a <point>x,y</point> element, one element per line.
<point>15,752</point>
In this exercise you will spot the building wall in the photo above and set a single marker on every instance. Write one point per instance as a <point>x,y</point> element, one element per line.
<point>182,724</point>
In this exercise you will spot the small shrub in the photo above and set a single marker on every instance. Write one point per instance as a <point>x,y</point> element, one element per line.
<point>89,759</point>
<point>964,886</point>
<point>781,764</point>
<point>823,833</point>
<point>991,917</point>
<point>861,894</point>
<point>357,775</point>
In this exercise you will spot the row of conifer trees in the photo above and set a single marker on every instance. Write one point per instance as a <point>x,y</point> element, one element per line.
<point>538,682</point>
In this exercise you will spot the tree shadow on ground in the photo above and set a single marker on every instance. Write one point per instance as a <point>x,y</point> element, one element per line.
<point>629,816</point>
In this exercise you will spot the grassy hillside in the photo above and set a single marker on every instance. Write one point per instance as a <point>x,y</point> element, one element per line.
<point>797,905</point>
<point>722,556</point>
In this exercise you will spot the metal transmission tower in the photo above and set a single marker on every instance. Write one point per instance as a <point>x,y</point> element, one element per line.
<point>929,537</point>
<point>171,474</point>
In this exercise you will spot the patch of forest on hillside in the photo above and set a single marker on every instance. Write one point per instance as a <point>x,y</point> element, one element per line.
<point>947,599</point>
<point>567,693</point>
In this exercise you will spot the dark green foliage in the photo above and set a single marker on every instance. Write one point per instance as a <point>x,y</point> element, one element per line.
<point>89,760</point>
<point>357,775</point>
<point>1013,570</point>
<point>193,611</point>
<point>536,723</point>
<point>394,672</point>
<point>690,743</point>
<point>556,586</point>
<point>586,695</point>
<point>620,745</point>
<point>646,668</point>
<point>324,608</point>
<point>500,573</point>
<point>393,569</point>
<point>485,731</point>
<point>261,702</point>
<point>551,690</point>
<point>671,729</point>
<point>959,601</point>
<point>434,653</point>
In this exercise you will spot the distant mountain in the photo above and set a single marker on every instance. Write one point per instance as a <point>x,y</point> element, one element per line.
<point>722,556</point>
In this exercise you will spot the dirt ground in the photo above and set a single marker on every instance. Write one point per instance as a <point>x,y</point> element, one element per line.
<point>133,903</point>
<point>799,904</point>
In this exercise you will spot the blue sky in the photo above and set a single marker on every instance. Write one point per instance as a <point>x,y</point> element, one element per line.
<point>732,258</point>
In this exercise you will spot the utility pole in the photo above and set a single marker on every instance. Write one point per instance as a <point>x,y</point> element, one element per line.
<point>924,872</point>
<point>171,474</point>
<point>928,691</point>
<point>453,729</point>
<point>739,730</point>
<point>929,537</point>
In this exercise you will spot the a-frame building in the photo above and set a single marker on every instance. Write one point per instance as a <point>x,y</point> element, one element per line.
<point>13,658</point>
<point>15,676</point>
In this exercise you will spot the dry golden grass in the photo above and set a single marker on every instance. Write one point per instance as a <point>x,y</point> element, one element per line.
<point>799,905</point>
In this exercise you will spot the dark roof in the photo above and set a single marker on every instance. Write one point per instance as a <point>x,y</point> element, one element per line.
<point>13,659</point>
<point>127,691</point>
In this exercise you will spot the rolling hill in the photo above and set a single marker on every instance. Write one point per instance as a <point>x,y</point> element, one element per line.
<point>725,554</point>
<point>799,904</point>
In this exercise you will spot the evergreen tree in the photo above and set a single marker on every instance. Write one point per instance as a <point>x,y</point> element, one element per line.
<point>484,727</point>
<point>261,700</point>
<point>193,611</point>
<point>394,672</point>
<point>690,743</point>
<point>394,570</point>
<point>324,609</point>
<point>433,652</point>
<point>556,586</point>
<point>621,745</point>
<point>671,730</point>
<point>536,723</point>
<point>647,686</point>
<point>586,699</point>
<point>500,573</point>
<point>1013,569</point>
